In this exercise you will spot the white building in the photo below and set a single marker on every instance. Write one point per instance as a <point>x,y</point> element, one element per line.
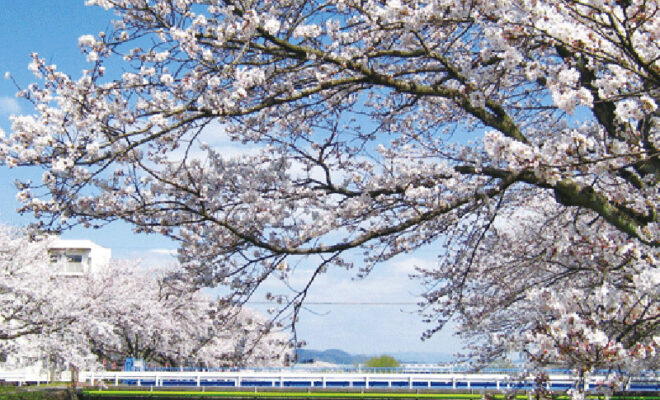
<point>79,257</point>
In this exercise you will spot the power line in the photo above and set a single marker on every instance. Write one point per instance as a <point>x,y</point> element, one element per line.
<point>344,303</point>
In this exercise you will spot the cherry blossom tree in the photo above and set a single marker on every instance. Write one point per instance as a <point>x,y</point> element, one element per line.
<point>558,286</point>
<point>41,307</point>
<point>148,315</point>
<point>33,300</point>
<point>119,311</point>
<point>375,128</point>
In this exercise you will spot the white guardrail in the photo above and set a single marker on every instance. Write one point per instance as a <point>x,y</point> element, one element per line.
<point>21,377</point>
<point>307,379</point>
<point>325,380</point>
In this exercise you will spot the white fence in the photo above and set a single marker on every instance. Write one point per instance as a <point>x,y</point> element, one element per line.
<point>21,376</point>
<point>284,379</point>
<point>310,379</point>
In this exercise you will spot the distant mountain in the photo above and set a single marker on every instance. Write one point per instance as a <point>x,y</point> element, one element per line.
<point>336,356</point>
<point>333,356</point>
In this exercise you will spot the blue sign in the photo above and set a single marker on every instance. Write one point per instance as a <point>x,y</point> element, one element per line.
<point>129,364</point>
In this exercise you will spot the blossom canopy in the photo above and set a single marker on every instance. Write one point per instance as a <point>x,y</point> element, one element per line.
<point>375,128</point>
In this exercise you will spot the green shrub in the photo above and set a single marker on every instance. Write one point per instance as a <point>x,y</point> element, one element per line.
<point>382,362</point>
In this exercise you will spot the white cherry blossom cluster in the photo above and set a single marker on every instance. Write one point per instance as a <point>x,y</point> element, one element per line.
<point>119,311</point>
<point>587,301</point>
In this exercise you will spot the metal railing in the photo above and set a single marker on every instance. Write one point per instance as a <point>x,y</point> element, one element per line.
<point>344,378</point>
<point>306,379</point>
<point>21,377</point>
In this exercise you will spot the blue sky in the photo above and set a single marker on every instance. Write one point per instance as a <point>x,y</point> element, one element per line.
<point>51,28</point>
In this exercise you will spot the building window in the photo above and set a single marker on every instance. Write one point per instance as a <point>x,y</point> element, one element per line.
<point>74,264</point>
<point>74,258</point>
<point>71,261</point>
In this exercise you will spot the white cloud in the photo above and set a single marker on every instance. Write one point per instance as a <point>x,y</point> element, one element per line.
<point>214,136</point>
<point>150,258</point>
<point>168,252</point>
<point>9,105</point>
<point>389,282</point>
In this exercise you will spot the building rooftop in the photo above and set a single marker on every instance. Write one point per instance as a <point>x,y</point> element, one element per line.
<point>73,244</point>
